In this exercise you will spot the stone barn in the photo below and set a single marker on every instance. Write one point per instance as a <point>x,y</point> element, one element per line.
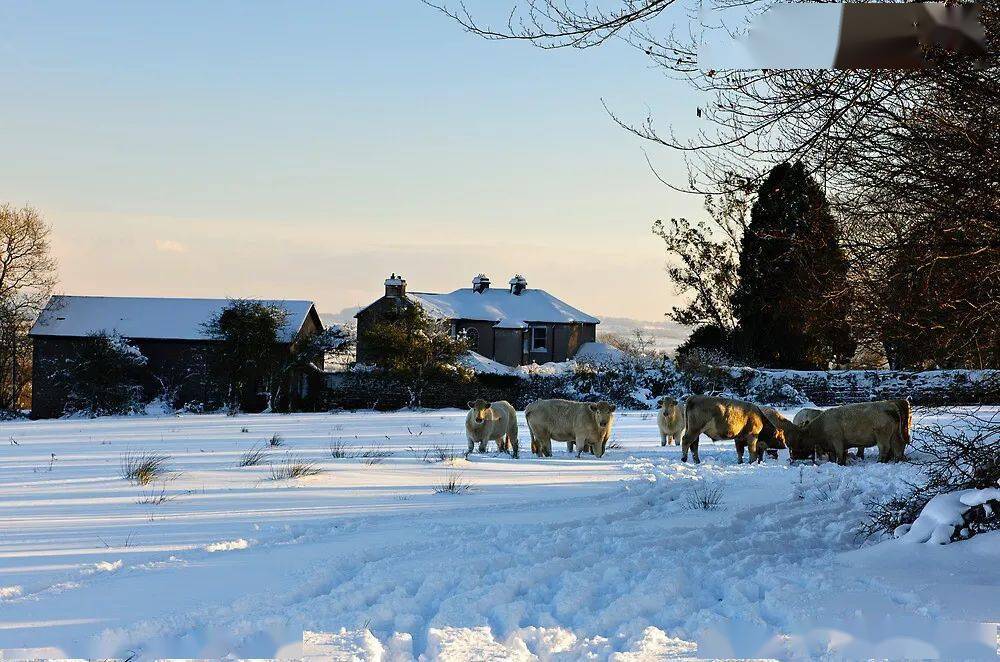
<point>169,332</point>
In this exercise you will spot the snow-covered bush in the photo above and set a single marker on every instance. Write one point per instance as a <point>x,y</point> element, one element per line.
<point>102,376</point>
<point>769,387</point>
<point>958,458</point>
<point>633,382</point>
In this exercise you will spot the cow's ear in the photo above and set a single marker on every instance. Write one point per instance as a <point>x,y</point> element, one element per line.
<point>593,407</point>
<point>612,407</point>
<point>471,404</point>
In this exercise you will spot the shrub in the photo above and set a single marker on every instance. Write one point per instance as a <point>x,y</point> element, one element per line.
<point>703,497</point>
<point>101,376</point>
<point>291,468</point>
<point>143,467</point>
<point>453,484</point>
<point>375,455</point>
<point>961,455</point>
<point>340,449</point>
<point>155,497</point>
<point>438,454</point>
<point>276,440</point>
<point>256,455</point>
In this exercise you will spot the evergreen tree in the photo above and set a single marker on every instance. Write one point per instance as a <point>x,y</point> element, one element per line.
<point>248,356</point>
<point>413,347</point>
<point>792,299</point>
<point>101,376</point>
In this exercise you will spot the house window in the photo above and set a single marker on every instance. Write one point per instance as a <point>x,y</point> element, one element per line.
<point>539,339</point>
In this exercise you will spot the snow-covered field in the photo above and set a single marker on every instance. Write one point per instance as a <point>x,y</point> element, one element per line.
<point>555,559</point>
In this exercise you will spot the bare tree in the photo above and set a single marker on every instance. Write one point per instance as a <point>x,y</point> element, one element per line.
<point>702,260</point>
<point>899,153</point>
<point>27,277</point>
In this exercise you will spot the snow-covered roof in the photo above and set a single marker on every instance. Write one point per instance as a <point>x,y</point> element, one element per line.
<point>510,310</point>
<point>147,317</point>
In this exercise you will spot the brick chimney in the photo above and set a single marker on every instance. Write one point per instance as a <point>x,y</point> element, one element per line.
<point>395,286</point>
<point>480,283</point>
<point>518,284</point>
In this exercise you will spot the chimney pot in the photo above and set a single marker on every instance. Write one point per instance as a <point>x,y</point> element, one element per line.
<point>395,286</point>
<point>518,284</point>
<point>480,283</point>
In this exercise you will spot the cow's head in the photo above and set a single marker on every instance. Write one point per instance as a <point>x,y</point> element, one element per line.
<point>604,415</point>
<point>666,404</point>
<point>479,408</point>
<point>770,436</point>
<point>800,446</point>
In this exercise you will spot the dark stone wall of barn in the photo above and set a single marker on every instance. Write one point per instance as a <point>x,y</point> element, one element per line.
<point>47,400</point>
<point>175,367</point>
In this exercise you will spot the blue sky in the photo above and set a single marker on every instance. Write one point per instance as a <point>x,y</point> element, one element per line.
<point>308,149</point>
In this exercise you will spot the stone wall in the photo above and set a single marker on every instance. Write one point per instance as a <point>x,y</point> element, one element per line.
<point>641,388</point>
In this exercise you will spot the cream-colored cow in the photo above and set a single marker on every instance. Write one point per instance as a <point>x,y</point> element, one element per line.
<point>670,420</point>
<point>724,418</point>
<point>885,423</point>
<point>495,421</point>
<point>585,424</point>
<point>805,415</point>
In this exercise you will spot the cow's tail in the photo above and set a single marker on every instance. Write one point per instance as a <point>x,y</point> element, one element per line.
<point>531,432</point>
<point>904,420</point>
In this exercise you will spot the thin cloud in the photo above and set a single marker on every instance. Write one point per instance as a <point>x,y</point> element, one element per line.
<point>170,246</point>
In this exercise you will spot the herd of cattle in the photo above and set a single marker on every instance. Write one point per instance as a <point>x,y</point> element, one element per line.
<point>813,432</point>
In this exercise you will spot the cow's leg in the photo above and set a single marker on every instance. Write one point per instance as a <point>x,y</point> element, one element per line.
<point>757,448</point>
<point>740,447</point>
<point>687,441</point>
<point>694,449</point>
<point>581,445</point>
<point>544,446</point>
<point>569,446</point>
<point>861,452</point>
<point>663,439</point>
<point>483,445</point>
<point>884,450</point>
<point>472,444</point>
<point>512,443</point>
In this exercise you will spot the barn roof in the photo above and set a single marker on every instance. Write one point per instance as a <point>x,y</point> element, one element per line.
<point>154,318</point>
<point>506,309</point>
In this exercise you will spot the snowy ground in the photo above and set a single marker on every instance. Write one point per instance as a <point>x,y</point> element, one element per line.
<point>556,559</point>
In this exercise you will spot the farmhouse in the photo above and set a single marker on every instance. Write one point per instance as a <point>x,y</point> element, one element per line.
<point>514,326</point>
<point>169,332</point>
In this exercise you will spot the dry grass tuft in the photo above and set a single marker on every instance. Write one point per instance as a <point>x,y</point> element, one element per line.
<point>253,457</point>
<point>143,467</point>
<point>453,484</point>
<point>292,468</point>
